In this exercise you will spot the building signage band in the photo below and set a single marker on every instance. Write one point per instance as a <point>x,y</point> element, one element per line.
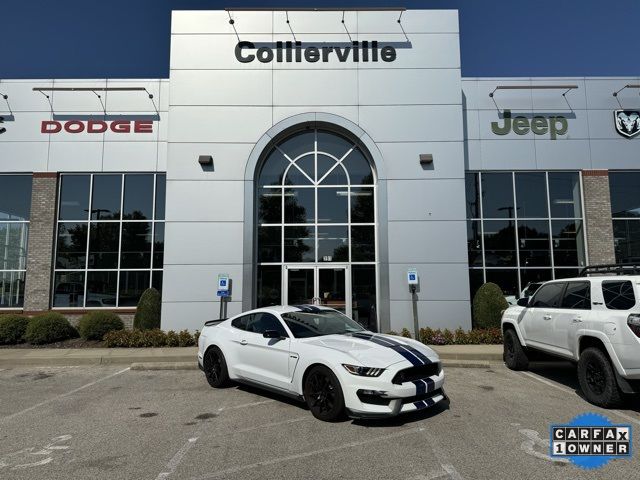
<point>97,126</point>
<point>538,125</point>
<point>289,52</point>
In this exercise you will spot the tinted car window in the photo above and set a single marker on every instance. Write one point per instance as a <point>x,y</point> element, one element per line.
<point>261,322</point>
<point>241,322</point>
<point>618,294</point>
<point>577,296</point>
<point>548,296</point>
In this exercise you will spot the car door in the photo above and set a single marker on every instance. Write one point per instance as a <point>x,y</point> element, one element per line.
<point>266,360</point>
<point>575,310</point>
<point>537,320</point>
<point>234,348</point>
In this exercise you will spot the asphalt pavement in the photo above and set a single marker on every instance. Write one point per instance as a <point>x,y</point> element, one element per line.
<point>109,422</point>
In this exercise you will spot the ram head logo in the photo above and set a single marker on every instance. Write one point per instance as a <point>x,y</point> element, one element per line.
<point>627,122</point>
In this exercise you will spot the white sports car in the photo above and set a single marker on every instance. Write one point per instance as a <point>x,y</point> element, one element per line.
<point>321,356</point>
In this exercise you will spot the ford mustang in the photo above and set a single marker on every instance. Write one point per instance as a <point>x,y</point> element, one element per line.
<point>320,356</point>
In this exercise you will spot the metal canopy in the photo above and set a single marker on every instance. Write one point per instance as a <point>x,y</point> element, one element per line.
<point>534,87</point>
<point>615,94</point>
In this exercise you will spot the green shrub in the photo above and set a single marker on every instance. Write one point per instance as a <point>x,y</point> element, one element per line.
<point>12,328</point>
<point>391,332</point>
<point>49,327</point>
<point>148,312</point>
<point>93,325</point>
<point>460,337</point>
<point>405,333</point>
<point>488,305</point>
<point>173,339</point>
<point>185,339</point>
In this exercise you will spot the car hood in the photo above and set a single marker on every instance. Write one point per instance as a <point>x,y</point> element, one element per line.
<point>377,350</point>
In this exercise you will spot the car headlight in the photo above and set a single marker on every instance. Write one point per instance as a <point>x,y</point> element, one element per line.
<point>363,371</point>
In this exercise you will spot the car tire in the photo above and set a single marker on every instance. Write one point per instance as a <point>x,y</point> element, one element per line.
<point>514,356</point>
<point>323,394</point>
<point>215,368</point>
<point>597,378</point>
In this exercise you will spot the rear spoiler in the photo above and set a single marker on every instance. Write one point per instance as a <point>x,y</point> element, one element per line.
<point>210,323</point>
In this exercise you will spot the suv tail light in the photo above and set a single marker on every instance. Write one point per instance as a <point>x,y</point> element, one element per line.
<point>633,321</point>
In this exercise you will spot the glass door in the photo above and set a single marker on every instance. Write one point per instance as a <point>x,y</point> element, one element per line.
<point>318,285</point>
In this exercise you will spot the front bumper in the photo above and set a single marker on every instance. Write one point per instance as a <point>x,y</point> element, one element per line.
<point>378,397</point>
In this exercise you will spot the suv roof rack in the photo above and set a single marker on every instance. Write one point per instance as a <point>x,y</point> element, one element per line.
<point>611,269</point>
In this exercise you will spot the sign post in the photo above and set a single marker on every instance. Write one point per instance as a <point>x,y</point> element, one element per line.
<point>413,281</point>
<point>224,292</point>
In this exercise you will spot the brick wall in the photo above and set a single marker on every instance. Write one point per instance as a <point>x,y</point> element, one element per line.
<point>599,227</point>
<point>41,242</point>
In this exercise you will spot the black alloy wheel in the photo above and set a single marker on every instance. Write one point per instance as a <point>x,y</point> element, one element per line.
<point>215,368</point>
<point>323,394</point>
<point>597,378</point>
<point>515,357</point>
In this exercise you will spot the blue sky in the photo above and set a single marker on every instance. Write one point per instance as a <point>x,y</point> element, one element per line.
<point>130,38</point>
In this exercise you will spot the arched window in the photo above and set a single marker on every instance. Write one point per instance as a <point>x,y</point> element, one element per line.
<point>316,234</point>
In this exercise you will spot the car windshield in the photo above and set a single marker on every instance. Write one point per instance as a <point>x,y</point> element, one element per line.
<point>321,322</point>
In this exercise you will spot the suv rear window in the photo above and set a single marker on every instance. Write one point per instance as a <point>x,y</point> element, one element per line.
<point>577,296</point>
<point>548,296</point>
<point>618,294</point>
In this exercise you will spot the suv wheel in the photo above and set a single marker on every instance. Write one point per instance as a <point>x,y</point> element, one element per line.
<point>597,378</point>
<point>514,355</point>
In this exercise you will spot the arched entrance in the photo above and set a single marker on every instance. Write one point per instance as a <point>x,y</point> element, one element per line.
<point>316,235</point>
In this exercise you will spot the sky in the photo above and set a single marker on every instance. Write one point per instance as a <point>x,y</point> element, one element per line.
<point>499,38</point>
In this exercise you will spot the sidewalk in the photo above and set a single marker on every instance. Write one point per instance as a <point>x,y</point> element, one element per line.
<point>178,358</point>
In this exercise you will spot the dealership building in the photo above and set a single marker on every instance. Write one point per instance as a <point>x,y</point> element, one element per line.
<point>311,157</point>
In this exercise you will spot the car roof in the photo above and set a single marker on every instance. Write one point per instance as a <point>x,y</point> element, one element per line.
<point>290,308</point>
<point>595,277</point>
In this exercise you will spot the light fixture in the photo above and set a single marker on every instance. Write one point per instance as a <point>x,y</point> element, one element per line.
<point>426,159</point>
<point>205,160</point>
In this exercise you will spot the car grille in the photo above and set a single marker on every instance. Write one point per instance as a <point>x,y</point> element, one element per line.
<point>424,396</point>
<point>416,373</point>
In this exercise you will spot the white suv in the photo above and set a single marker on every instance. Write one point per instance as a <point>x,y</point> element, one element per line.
<point>594,321</point>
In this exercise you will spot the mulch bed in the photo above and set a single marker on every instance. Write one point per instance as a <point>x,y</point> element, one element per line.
<point>71,343</point>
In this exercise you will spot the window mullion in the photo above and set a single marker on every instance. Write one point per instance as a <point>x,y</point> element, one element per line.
<point>86,260</point>
<point>120,241</point>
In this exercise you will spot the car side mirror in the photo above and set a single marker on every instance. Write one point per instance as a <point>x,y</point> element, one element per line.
<point>523,302</point>
<point>271,334</point>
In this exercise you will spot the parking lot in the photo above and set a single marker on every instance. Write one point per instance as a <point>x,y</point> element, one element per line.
<point>115,423</point>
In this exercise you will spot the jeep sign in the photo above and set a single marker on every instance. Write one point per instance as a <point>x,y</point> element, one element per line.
<point>539,125</point>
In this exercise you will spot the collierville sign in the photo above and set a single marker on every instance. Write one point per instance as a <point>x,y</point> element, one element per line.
<point>289,52</point>
<point>97,126</point>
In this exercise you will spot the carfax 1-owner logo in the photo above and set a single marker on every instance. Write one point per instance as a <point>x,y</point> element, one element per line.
<point>591,441</point>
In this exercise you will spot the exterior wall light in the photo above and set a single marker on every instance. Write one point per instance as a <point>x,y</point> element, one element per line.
<point>205,160</point>
<point>426,159</point>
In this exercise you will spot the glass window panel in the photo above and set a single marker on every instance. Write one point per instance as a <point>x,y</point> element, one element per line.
<point>363,247</point>
<point>337,176</point>
<point>270,205</point>
<point>548,296</point>
<point>333,144</point>
<point>333,244</point>
<point>333,205</point>
<point>625,194</point>
<point>535,245</point>
<point>136,245</point>
<point>566,272</point>
<point>472,195</point>
<point>476,280</point>
<point>531,278</point>
<point>299,205</point>
<point>531,195</point>
<point>270,244</point>
<point>363,292</point>
<point>101,289</point>
<point>11,289</point>
<point>296,177</point>
<point>577,296</point>
<point>300,143</point>
<point>359,169</point>
<point>568,243</point>
<point>132,284</point>
<point>15,199</point>
<point>564,193</point>
<point>499,243</point>
<point>299,244</point>
<point>474,243</point>
<point>497,195</point>
<point>507,280</point>
<point>74,197</point>
<point>269,285</point>
<point>103,245</point>
<point>362,205</point>
<point>301,286</point>
<point>68,290</point>
<point>618,294</point>
<point>72,245</point>
<point>138,197</point>
<point>161,194</point>
<point>273,169</point>
<point>626,237</point>
<point>158,246</point>
<point>156,280</point>
<point>105,202</point>
<point>13,245</point>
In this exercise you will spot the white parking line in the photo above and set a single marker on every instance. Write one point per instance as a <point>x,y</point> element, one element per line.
<point>245,405</point>
<point>177,458</point>
<point>288,458</point>
<point>441,456</point>
<point>567,390</point>
<point>63,395</point>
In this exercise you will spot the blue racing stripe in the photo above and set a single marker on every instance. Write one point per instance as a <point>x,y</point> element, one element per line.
<point>382,342</point>
<point>430,384</point>
<point>420,405</point>
<point>417,353</point>
<point>421,387</point>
